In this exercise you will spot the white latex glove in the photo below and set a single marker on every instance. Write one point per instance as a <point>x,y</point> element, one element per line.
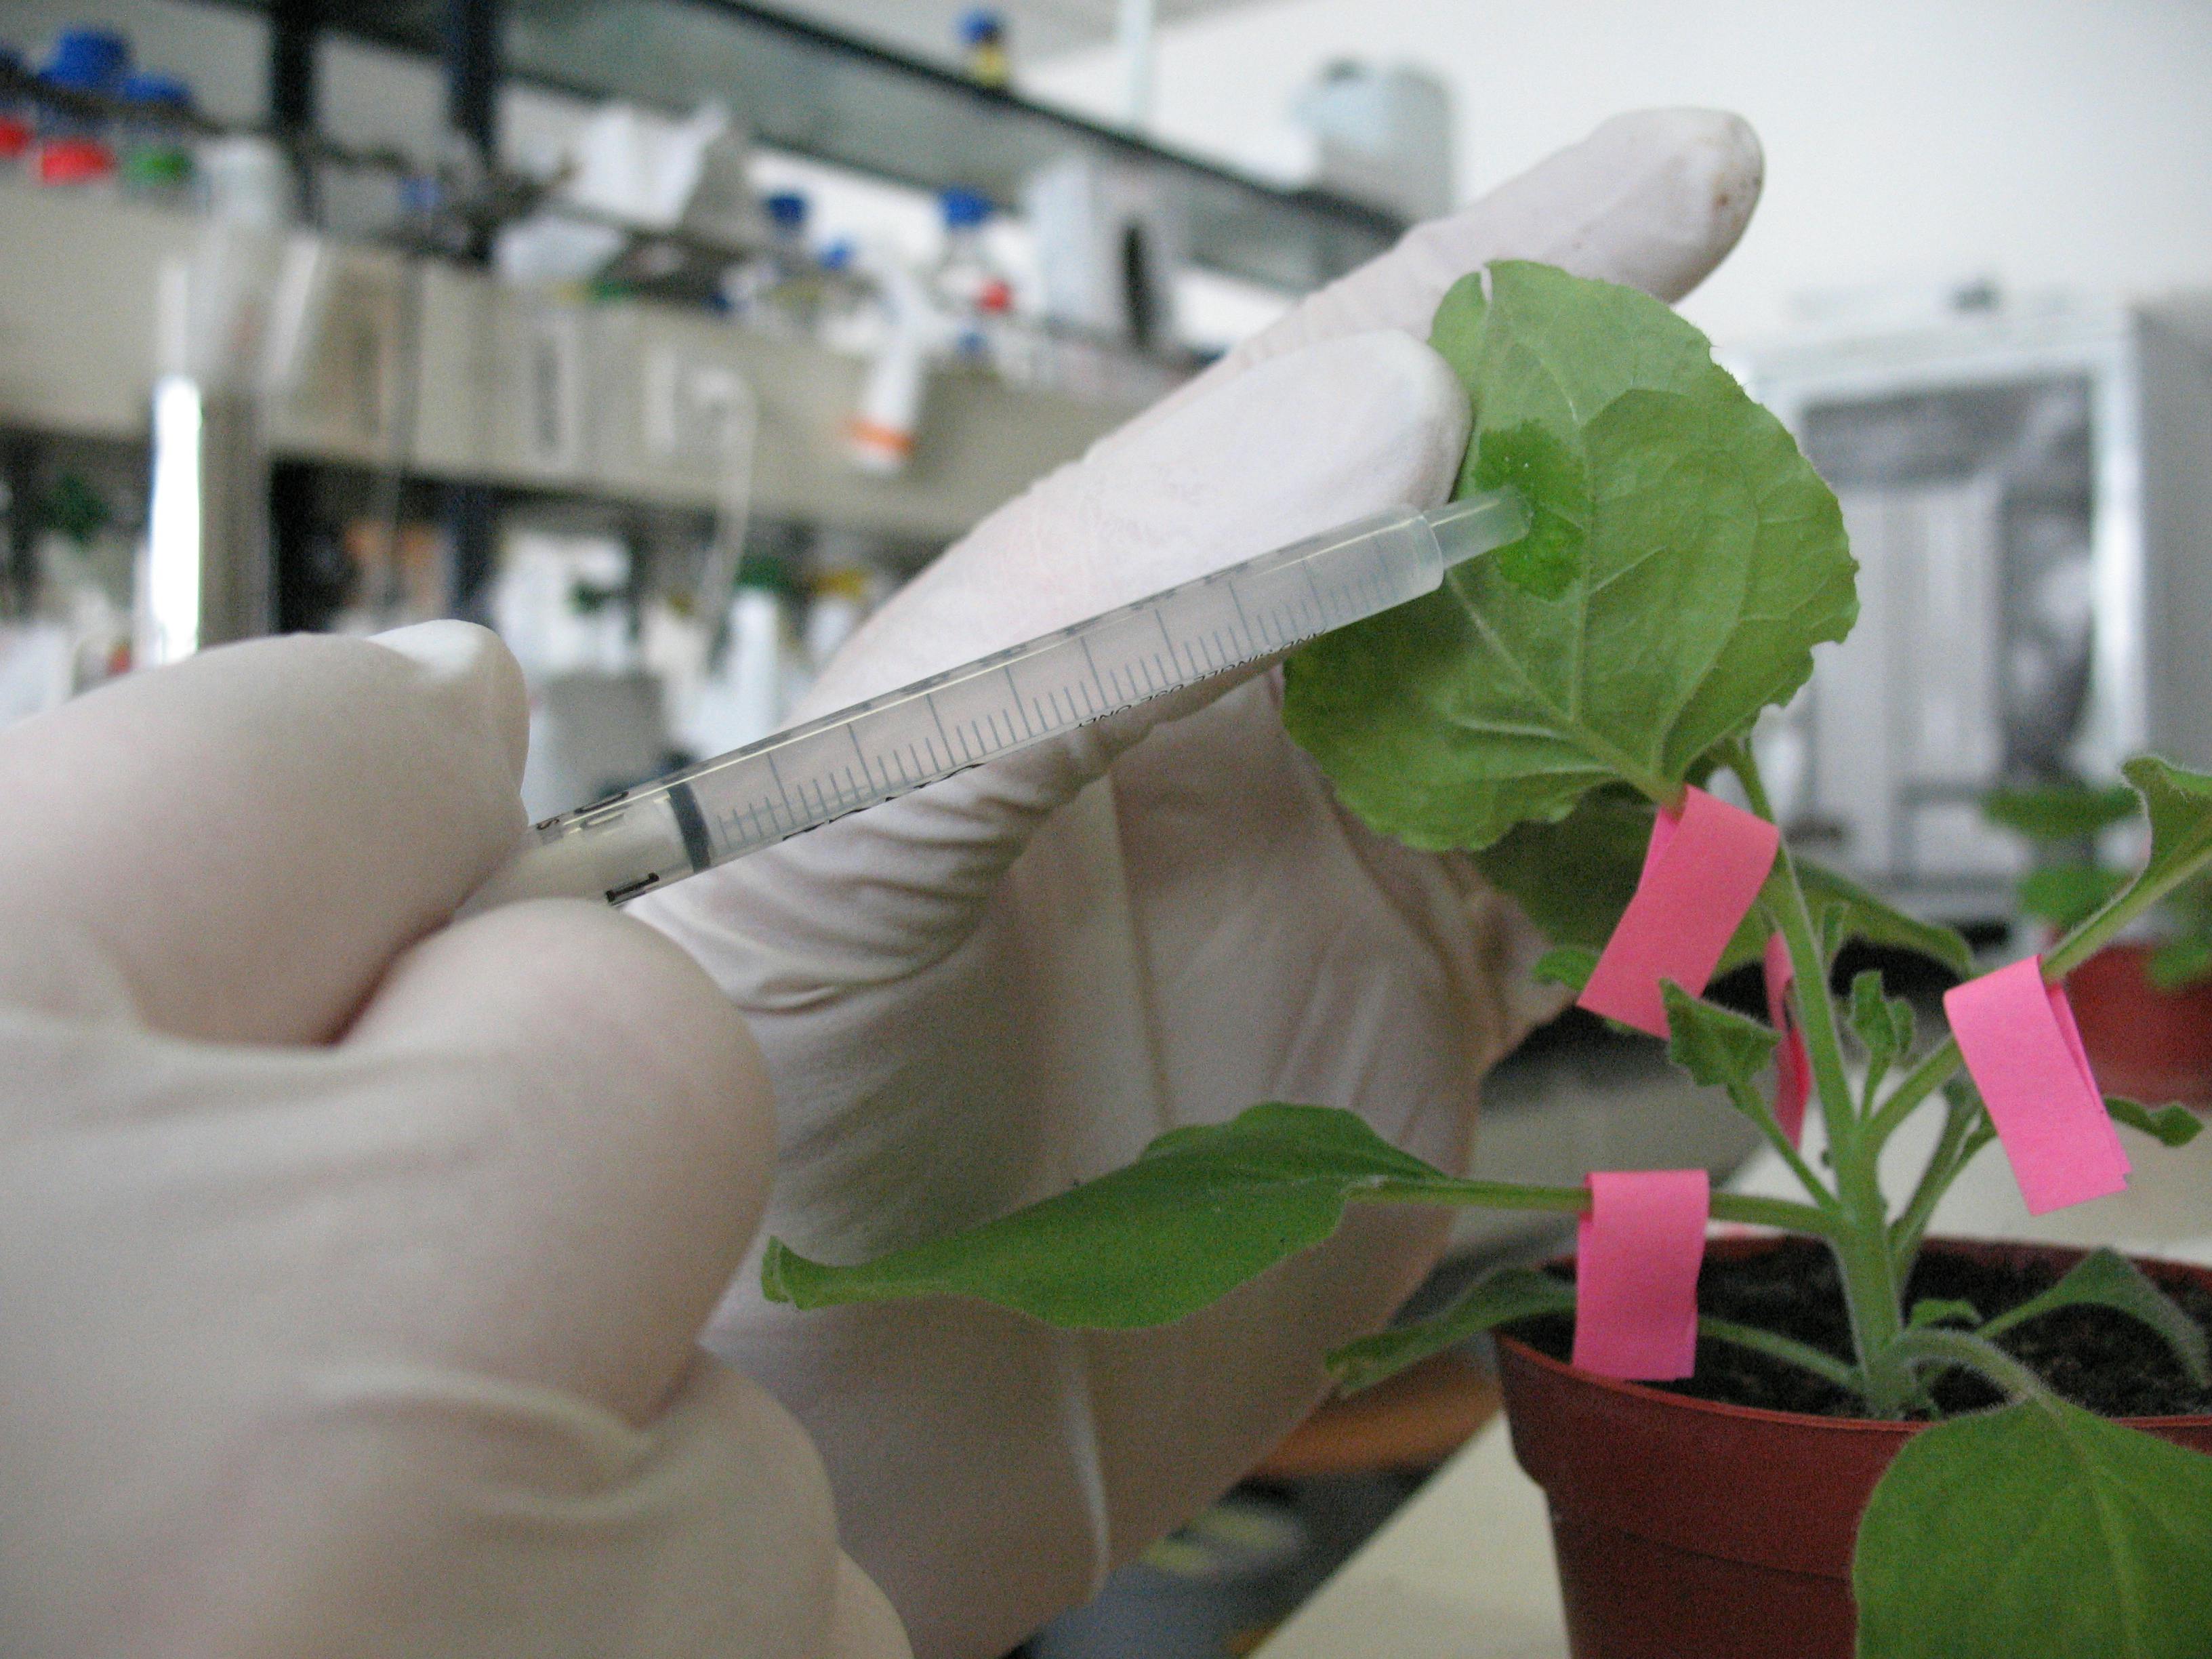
<point>1013,981</point>
<point>350,1285</point>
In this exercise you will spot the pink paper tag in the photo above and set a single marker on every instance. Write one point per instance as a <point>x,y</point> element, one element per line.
<point>1793,1066</point>
<point>1702,870</point>
<point>2025,1055</point>
<point>1637,1254</point>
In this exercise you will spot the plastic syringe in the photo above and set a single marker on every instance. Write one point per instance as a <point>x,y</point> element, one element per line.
<point>643,839</point>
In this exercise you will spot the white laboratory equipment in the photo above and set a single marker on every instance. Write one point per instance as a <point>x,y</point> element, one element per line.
<point>1110,242</point>
<point>2029,496</point>
<point>1379,134</point>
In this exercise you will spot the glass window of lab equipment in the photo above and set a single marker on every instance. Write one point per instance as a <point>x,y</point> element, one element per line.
<point>1970,510</point>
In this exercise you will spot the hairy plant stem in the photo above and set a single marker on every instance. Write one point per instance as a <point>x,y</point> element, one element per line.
<point>1761,1114</point>
<point>1930,1072</point>
<point>1931,1345</point>
<point>1907,1234</point>
<point>1784,1213</point>
<point>1944,1166</point>
<point>1937,1066</point>
<point>1860,1238</point>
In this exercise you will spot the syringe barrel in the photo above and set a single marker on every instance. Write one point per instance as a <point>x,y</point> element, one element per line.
<point>613,849</point>
<point>897,742</point>
<point>860,756</point>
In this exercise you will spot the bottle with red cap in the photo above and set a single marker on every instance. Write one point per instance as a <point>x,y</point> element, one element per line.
<point>966,280</point>
<point>73,147</point>
<point>15,112</point>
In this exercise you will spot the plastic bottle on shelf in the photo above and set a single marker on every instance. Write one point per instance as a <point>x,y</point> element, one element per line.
<point>155,152</point>
<point>970,287</point>
<point>15,128</point>
<point>73,149</point>
<point>844,589</point>
<point>983,32</point>
<point>794,300</point>
<point>245,179</point>
<point>778,289</point>
<point>744,698</point>
<point>787,212</point>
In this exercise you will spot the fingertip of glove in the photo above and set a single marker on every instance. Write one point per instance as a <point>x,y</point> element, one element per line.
<point>1688,180</point>
<point>462,661</point>
<point>863,1623</point>
<point>1711,158</point>
<point>1654,198</point>
<point>1401,366</point>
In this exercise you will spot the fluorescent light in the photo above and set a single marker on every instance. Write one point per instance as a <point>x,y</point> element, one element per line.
<point>174,520</point>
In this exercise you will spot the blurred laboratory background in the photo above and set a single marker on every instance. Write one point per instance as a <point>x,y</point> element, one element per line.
<point>668,337</point>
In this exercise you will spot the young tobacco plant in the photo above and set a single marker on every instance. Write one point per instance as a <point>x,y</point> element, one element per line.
<point>1534,712</point>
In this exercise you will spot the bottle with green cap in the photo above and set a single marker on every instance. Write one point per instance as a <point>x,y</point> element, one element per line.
<point>154,153</point>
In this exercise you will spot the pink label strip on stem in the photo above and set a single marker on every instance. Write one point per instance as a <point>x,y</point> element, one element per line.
<point>2024,1054</point>
<point>1637,1254</point>
<point>1702,872</point>
<point>1793,1066</point>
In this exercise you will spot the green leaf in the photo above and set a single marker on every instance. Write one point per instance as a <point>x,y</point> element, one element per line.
<point>1574,878</point>
<point>1663,492</point>
<point>1200,1212</point>
<point>2060,811</point>
<point>2036,1530</point>
<point>1943,1310</point>
<point>1836,898</point>
<point>1883,1024</point>
<point>2181,962</point>
<point>1715,1046</point>
<point>2067,895</point>
<point>1569,965</point>
<point>2180,804</point>
<point>1505,1296</point>
<point>2172,1123</point>
<point>2109,1279</point>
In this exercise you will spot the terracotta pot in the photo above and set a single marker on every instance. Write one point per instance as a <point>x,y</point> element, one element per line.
<point>2151,1044</point>
<point>1685,1527</point>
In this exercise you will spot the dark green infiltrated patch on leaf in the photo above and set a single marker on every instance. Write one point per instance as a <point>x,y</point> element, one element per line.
<point>1682,561</point>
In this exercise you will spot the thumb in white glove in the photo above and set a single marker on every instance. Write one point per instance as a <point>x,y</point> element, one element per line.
<point>350,1287</point>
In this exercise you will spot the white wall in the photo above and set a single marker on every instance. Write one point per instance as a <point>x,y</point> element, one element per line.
<point>2050,143</point>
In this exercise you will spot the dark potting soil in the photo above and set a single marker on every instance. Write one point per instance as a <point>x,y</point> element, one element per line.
<point>2095,1357</point>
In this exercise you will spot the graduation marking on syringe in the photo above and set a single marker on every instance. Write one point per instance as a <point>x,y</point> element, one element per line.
<point>1275,601</point>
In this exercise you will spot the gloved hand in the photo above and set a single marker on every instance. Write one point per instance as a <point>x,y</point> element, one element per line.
<point>350,1285</point>
<point>1013,981</point>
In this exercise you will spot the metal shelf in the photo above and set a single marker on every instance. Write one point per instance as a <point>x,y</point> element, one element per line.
<point>803,88</point>
<point>621,402</point>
